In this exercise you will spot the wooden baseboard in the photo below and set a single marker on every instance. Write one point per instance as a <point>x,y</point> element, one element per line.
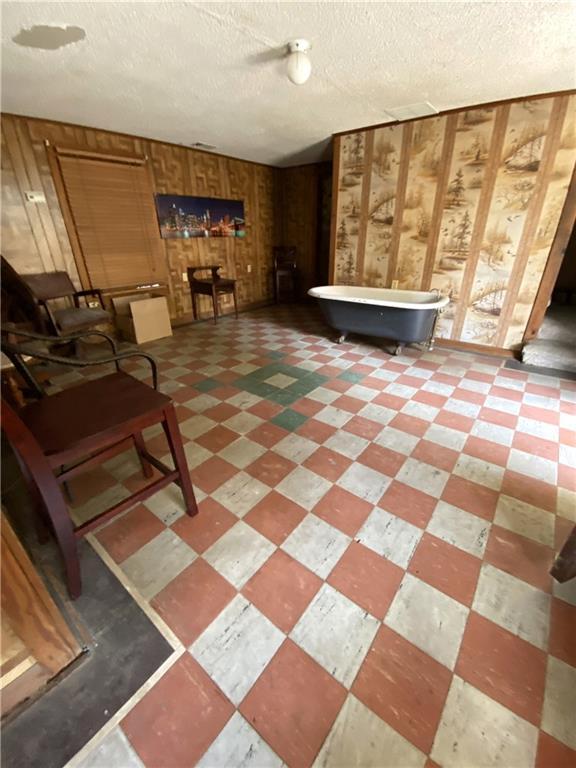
<point>482,349</point>
<point>188,319</point>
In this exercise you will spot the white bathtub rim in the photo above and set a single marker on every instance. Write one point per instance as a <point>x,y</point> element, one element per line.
<point>381,297</point>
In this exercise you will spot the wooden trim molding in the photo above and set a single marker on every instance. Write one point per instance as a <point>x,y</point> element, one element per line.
<point>87,155</point>
<point>468,346</point>
<point>565,226</point>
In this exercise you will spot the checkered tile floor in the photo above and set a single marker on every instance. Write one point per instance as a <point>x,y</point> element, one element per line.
<point>367,581</point>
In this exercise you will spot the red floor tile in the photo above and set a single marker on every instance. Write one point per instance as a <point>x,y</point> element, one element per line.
<point>327,463</point>
<point>216,439</point>
<point>177,720</point>
<point>307,407</point>
<point>267,434</point>
<point>409,424</point>
<point>530,490</point>
<point>362,427</point>
<point>540,389</point>
<point>350,404</point>
<point>270,468</point>
<point>526,559</point>
<point>282,589</point>
<point>404,686</point>
<point>566,477</point>
<point>390,401</point>
<point>487,450</point>
<point>535,446</point>
<point>382,459</point>
<point>191,601</point>
<point>366,578</point>
<point>562,640</point>
<point>91,483</point>
<point>275,517</point>
<point>316,430</point>
<point>122,537</point>
<point>506,393</point>
<point>436,455</point>
<point>553,754</point>
<point>212,473</point>
<point>539,414</point>
<point>343,510</point>
<point>503,666</point>
<point>471,497</point>
<point>430,398</point>
<point>449,569</point>
<point>468,396</point>
<point>454,421</point>
<point>500,418</point>
<point>293,705</point>
<point>411,505</point>
<point>221,412</point>
<point>202,530</point>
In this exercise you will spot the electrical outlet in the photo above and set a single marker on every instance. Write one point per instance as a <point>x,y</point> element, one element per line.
<point>249,268</point>
<point>184,277</point>
<point>35,197</point>
<point>94,304</point>
<point>394,284</point>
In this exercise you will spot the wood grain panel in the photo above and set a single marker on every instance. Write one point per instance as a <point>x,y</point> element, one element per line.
<point>35,237</point>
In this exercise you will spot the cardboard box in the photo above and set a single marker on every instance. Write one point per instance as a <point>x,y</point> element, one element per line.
<point>142,317</point>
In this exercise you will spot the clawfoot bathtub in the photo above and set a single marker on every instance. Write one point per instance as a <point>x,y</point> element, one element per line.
<point>401,316</point>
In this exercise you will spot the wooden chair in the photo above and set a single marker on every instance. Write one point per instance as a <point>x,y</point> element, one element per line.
<point>210,286</point>
<point>58,436</point>
<point>285,273</point>
<point>46,287</point>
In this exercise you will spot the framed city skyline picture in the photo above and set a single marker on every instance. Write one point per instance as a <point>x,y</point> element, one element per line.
<point>183,216</point>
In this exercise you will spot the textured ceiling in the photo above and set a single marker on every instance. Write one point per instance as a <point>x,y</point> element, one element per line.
<point>212,72</point>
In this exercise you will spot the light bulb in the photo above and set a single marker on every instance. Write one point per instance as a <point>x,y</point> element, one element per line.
<point>298,65</point>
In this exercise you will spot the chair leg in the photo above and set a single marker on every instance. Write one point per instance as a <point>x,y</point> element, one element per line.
<point>215,302</point>
<point>235,302</point>
<point>172,431</point>
<point>140,445</point>
<point>194,307</point>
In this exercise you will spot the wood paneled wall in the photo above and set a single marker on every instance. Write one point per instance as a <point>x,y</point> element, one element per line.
<point>467,203</point>
<point>35,237</point>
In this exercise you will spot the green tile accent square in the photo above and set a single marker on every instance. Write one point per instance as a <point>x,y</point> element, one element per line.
<point>274,354</point>
<point>289,419</point>
<point>351,376</point>
<point>257,383</point>
<point>207,385</point>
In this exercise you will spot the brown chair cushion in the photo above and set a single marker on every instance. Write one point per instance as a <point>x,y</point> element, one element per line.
<point>72,318</point>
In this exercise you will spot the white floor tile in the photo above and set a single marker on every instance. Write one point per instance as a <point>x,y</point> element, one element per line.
<point>493,432</point>
<point>517,516</point>
<point>460,528</point>
<point>390,536</point>
<point>559,711</point>
<point>243,422</point>
<point>114,751</point>
<point>429,619</point>
<point>513,604</point>
<point>377,413</point>
<point>336,632</point>
<point>445,436</point>
<point>295,447</point>
<point>239,553</point>
<point>396,440</point>
<point>347,444</point>
<point>476,731</point>
<point>502,404</point>
<point>463,407</point>
<point>236,647</point>
<point>479,471</point>
<point>424,477</point>
<point>304,487</point>
<point>419,410</point>
<point>316,544</point>
<point>197,425</point>
<point>155,564</point>
<point>364,482</point>
<point>361,738</point>
<point>335,417</point>
<point>240,493</point>
<point>539,429</point>
<point>566,504</point>
<point>533,466</point>
<point>242,452</point>
<point>323,395</point>
<point>239,746</point>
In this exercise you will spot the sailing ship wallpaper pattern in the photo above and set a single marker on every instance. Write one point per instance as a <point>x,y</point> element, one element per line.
<point>467,204</point>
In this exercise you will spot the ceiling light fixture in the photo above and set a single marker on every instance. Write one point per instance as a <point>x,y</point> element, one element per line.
<point>298,66</point>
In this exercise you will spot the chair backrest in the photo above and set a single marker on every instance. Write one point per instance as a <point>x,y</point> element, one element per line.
<point>18,302</point>
<point>50,285</point>
<point>285,257</point>
<point>213,268</point>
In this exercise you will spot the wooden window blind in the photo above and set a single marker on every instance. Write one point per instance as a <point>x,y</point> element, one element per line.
<point>111,204</point>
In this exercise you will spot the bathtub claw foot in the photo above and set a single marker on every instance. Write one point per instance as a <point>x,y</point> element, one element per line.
<point>398,349</point>
<point>341,339</point>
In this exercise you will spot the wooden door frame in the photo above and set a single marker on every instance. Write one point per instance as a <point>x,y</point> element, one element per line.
<point>552,268</point>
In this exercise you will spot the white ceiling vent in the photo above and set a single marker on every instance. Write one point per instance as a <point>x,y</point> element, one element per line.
<point>412,111</point>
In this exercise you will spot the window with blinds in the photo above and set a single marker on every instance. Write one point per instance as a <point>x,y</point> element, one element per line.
<point>111,205</point>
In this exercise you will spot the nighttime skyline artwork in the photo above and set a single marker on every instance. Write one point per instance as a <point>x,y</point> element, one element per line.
<point>183,216</point>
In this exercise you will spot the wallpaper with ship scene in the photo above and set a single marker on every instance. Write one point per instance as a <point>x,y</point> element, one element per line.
<point>466,203</point>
